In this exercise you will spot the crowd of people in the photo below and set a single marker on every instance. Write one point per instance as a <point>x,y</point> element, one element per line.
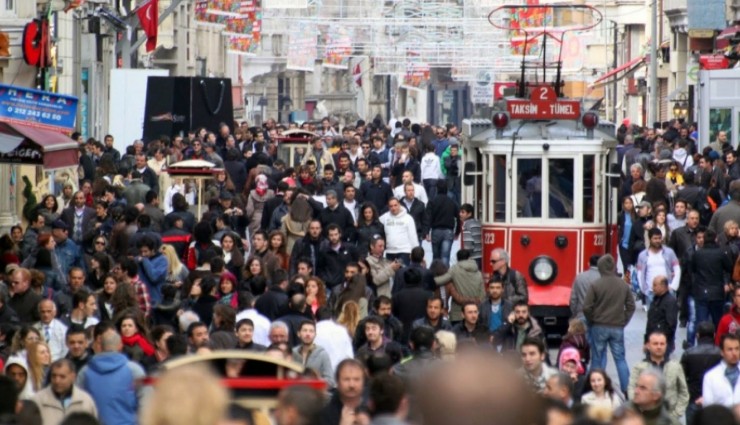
<point>319,261</point>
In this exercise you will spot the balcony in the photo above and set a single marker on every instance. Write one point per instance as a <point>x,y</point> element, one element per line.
<point>677,13</point>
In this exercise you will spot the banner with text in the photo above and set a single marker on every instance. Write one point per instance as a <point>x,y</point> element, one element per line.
<point>37,108</point>
<point>302,48</point>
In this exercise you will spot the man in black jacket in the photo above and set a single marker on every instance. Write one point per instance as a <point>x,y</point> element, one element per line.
<point>709,266</point>
<point>275,301</point>
<point>441,216</point>
<point>336,213</point>
<point>377,191</point>
<point>308,247</point>
<point>282,196</point>
<point>410,303</point>
<point>334,255</point>
<point>696,361</point>
<point>415,208</point>
<point>663,313</point>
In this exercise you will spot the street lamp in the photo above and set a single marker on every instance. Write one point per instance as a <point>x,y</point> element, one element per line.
<point>681,107</point>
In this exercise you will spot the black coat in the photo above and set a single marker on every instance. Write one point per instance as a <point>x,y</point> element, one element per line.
<point>377,193</point>
<point>663,316</point>
<point>427,278</point>
<point>270,206</point>
<point>342,218</point>
<point>709,265</point>
<point>417,213</point>
<point>441,213</point>
<point>696,361</point>
<point>365,234</point>
<point>272,303</point>
<point>408,305</point>
<point>25,305</point>
<point>238,173</point>
<point>8,315</point>
<point>308,248</point>
<point>331,263</point>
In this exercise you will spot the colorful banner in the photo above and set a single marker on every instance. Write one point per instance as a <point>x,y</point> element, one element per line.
<point>216,12</point>
<point>338,47</point>
<point>417,74</point>
<point>244,31</point>
<point>531,20</point>
<point>302,49</point>
<point>37,108</point>
<point>286,4</point>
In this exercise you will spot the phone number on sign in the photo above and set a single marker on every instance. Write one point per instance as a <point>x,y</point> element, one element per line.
<point>32,113</point>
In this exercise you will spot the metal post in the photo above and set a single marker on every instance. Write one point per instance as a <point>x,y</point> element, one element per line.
<point>614,66</point>
<point>652,112</point>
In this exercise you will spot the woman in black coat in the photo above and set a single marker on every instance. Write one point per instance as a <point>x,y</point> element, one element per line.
<point>368,226</point>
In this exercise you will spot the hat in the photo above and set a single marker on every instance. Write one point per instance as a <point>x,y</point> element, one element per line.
<point>59,224</point>
<point>226,195</point>
<point>644,204</point>
<point>571,354</point>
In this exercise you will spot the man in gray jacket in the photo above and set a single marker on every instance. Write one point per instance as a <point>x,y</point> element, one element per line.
<point>608,308</point>
<point>580,287</point>
<point>312,356</point>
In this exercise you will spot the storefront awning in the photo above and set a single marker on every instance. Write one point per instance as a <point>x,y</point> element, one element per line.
<point>619,72</point>
<point>727,36</point>
<point>25,144</point>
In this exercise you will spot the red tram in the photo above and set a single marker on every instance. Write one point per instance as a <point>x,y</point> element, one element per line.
<point>538,173</point>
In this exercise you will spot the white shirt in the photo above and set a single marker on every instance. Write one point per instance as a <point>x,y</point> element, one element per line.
<point>334,338</point>
<point>655,267</point>
<point>419,193</point>
<point>716,387</point>
<point>261,326</point>
<point>57,338</point>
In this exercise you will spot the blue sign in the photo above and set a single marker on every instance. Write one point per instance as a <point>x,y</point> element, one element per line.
<point>38,108</point>
<point>706,14</point>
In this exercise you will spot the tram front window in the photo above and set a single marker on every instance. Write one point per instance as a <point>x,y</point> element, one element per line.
<point>561,187</point>
<point>529,188</point>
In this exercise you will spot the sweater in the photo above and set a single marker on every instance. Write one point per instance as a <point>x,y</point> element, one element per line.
<point>400,232</point>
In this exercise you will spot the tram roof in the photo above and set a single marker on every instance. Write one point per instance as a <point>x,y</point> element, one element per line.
<point>480,132</point>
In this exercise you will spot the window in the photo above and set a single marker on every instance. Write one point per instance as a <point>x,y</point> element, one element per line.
<point>499,193</point>
<point>560,199</point>
<point>529,188</point>
<point>589,188</point>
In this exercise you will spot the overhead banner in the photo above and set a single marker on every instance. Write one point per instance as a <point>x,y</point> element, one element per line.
<point>244,32</point>
<point>338,47</point>
<point>302,49</point>
<point>525,23</point>
<point>286,4</point>
<point>216,12</point>
<point>38,108</point>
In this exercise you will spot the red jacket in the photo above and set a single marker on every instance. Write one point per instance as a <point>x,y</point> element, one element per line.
<point>730,323</point>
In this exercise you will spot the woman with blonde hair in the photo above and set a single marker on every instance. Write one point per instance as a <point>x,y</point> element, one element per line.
<point>177,273</point>
<point>350,317</point>
<point>38,358</point>
<point>447,343</point>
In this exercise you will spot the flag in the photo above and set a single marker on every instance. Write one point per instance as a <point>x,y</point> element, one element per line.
<point>148,14</point>
<point>357,75</point>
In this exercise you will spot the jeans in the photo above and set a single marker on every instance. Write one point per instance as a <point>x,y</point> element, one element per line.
<point>691,410</point>
<point>402,257</point>
<point>691,323</point>
<point>614,336</point>
<point>430,185</point>
<point>709,310</point>
<point>442,244</point>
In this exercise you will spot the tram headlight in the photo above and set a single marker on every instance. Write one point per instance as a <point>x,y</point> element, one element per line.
<point>543,270</point>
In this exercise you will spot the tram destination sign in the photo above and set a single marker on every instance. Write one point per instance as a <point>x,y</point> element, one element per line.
<point>543,104</point>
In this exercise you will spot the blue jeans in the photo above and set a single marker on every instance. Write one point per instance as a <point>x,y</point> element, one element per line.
<point>614,336</point>
<point>691,324</point>
<point>691,410</point>
<point>402,257</point>
<point>430,185</point>
<point>442,244</point>
<point>709,310</point>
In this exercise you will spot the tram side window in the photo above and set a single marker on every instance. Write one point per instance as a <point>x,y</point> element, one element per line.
<point>499,184</point>
<point>529,187</point>
<point>561,187</point>
<point>589,188</point>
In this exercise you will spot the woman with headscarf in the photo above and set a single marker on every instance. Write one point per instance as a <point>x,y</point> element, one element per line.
<point>256,202</point>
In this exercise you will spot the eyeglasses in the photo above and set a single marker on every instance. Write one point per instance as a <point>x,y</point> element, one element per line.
<point>100,243</point>
<point>495,261</point>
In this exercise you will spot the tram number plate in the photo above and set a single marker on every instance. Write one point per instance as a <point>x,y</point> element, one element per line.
<point>598,240</point>
<point>489,238</point>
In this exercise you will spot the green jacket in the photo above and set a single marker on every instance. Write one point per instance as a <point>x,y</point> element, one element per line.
<point>468,281</point>
<point>677,391</point>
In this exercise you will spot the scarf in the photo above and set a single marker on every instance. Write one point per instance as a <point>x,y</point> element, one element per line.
<point>139,340</point>
<point>261,185</point>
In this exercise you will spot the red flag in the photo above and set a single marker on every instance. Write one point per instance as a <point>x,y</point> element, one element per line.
<point>357,75</point>
<point>148,14</point>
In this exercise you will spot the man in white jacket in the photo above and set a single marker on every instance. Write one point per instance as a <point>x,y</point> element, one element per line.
<point>431,171</point>
<point>406,178</point>
<point>400,232</point>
